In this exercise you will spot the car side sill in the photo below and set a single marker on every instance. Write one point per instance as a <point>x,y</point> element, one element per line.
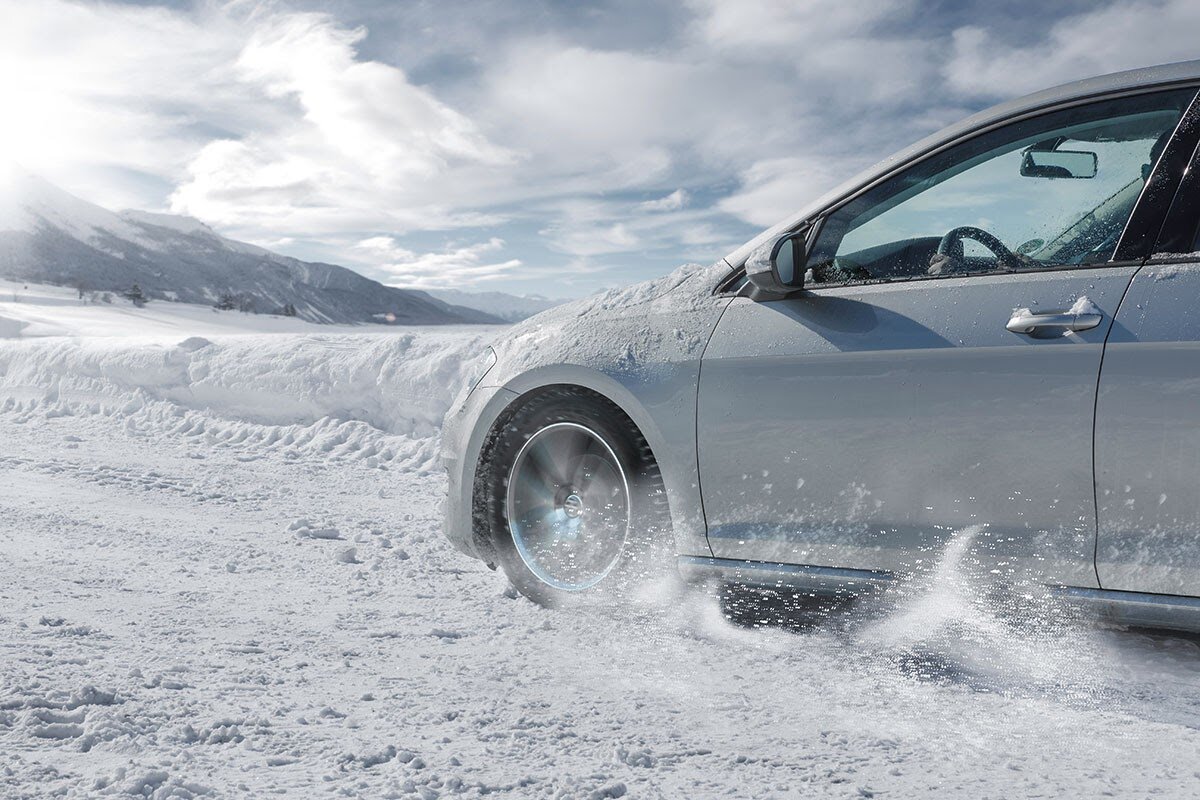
<point>1139,609</point>
<point>1136,609</point>
<point>768,575</point>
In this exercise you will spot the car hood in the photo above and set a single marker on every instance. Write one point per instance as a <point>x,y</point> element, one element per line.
<point>681,290</point>
<point>623,323</point>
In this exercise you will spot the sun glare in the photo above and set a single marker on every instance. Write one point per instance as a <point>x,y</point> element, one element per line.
<point>27,135</point>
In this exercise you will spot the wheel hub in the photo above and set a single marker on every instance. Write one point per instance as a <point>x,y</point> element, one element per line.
<point>572,506</point>
<point>568,506</point>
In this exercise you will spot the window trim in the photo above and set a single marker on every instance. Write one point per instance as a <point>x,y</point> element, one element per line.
<point>1153,206</point>
<point>1176,241</point>
<point>989,273</point>
<point>1167,176</point>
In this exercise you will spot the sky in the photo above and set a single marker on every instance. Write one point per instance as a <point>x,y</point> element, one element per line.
<point>531,146</point>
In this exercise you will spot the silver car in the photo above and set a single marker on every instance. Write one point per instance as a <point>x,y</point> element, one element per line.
<point>996,330</point>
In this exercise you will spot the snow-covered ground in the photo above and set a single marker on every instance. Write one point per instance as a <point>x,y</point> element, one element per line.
<point>221,573</point>
<point>37,311</point>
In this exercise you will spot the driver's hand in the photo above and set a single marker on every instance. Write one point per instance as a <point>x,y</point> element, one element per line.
<point>1027,262</point>
<point>942,264</point>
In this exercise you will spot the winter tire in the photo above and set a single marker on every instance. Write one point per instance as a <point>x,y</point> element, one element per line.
<point>574,498</point>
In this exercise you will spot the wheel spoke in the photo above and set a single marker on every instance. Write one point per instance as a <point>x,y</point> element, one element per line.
<point>534,493</point>
<point>583,476</point>
<point>554,456</point>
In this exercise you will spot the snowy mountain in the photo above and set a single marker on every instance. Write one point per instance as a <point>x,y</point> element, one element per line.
<point>50,236</point>
<point>509,307</point>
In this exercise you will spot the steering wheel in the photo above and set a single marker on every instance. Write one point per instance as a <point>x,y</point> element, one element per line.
<point>949,255</point>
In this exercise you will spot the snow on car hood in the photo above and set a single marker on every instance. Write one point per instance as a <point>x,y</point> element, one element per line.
<point>684,286</point>
<point>665,319</point>
<point>377,397</point>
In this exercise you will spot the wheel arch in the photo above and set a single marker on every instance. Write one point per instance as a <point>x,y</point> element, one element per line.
<point>527,386</point>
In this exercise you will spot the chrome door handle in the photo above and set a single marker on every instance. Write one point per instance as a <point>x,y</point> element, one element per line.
<point>1025,321</point>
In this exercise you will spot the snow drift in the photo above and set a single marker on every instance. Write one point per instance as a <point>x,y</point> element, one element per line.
<point>362,396</point>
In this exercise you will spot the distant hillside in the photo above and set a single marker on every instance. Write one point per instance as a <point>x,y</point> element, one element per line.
<point>509,307</point>
<point>50,236</point>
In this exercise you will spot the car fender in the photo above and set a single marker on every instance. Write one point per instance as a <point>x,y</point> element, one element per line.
<point>664,411</point>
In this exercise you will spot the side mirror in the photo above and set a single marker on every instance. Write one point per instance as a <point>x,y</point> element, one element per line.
<point>776,269</point>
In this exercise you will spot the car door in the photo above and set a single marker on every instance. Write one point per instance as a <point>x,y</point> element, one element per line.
<point>910,393</point>
<point>1148,418</point>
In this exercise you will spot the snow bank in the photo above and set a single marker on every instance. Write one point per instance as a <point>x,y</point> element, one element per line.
<point>11,328</point>
<point>369,396</point>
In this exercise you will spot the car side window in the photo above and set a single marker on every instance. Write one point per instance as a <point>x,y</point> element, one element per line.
<point>1050,191</point>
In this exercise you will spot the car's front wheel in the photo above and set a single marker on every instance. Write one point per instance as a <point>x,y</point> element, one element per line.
<point>574,498</point>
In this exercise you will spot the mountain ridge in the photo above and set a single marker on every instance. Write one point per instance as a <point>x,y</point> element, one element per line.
<point>509,307</point>
<point>48,235</point>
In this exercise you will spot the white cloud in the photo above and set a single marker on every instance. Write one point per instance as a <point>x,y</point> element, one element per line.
<point>266,121</point>
<point>593,239</point>
<point>855,50</point>
<point>591,120</point>
<point>671,202</point>
<point>366,146</point>
<point>756,24</point>
<point>456,266</point>
<point>86,86</point>
<point>774,188</point>
<point>596,228</point>
<point>1117,36</point>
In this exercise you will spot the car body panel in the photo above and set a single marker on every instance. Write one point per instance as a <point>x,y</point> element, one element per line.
<point>860,426</point>
<point>1148,437</point>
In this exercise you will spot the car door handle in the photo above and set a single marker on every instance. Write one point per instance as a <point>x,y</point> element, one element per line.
<point>1025,321</point>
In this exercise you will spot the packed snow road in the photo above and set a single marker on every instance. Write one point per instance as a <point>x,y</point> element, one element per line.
<point>221,574</point>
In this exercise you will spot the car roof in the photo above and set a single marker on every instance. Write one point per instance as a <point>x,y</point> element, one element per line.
<point>1183,72</point>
